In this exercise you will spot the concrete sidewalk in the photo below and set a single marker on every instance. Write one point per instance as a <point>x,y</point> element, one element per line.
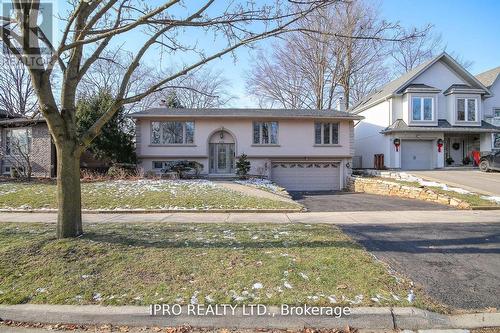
<point>270,318</point>
<point>378,217</point>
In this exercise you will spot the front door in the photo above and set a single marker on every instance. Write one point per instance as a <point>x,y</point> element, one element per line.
<point>222,158</point>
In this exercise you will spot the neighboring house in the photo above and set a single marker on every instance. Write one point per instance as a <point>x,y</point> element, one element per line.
<point>32,135</point>
<point>299,149</point>
<point>430,117</point>
<point>491,79</point>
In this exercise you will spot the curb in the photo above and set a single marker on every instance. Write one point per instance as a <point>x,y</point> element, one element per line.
<point>485,208</point>
<point>362,317</point>
<point>159,211</point>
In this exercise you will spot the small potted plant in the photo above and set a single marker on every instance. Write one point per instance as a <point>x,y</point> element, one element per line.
<point>466,160</point>
<point>449,161</point>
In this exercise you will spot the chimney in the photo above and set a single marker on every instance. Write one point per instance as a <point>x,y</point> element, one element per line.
<point>340,105</point>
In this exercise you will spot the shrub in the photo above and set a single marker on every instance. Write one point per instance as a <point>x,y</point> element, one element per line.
<point>150,174</point>
<point>183,167</point>
<point>242,166</point>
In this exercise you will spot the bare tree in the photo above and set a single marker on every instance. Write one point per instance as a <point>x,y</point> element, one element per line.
<point>409,54</point>
<point>314,70</point>
<point>17,96</point>
<point>204,88</point>
<point>93,26</point>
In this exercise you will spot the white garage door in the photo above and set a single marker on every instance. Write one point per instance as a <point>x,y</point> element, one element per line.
<point>312,176</point>
<point>416,154</point>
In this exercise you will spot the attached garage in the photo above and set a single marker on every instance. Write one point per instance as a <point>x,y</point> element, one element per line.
<point>416,154</point>
<point>307,176</point>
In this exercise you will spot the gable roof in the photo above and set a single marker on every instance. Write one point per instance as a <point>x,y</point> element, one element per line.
<point>398,85</point>
<point>489,77</point>
<point>243,113</point>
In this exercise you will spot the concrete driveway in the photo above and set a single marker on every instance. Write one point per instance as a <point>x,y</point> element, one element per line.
<point>457,264</point>
<point>487,183</point>
<point>355,202</point>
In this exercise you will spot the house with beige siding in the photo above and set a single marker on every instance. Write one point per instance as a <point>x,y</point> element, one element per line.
<point>302,150</point>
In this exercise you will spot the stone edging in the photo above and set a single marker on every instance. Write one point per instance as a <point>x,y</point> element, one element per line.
<point>362,317</point>
<point>386,187</point>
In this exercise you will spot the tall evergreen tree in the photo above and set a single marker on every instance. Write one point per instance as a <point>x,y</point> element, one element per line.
<point>116,143</point>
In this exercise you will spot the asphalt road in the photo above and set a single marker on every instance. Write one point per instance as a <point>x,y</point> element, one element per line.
<point>355,202</point>
<point>457,264</point>
<point>473,180</point>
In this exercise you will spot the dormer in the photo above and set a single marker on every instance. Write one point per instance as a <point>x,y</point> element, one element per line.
<point>420,105</point>
<point>464,104</point>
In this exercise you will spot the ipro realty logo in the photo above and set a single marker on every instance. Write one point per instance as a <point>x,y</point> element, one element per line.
<point>223,310</point>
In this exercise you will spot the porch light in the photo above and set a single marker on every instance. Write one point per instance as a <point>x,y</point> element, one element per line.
<point>221,134</point>
<point>397,143</point>
<point>440,144</point>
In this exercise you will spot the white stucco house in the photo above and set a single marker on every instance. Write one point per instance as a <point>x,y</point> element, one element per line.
<point>302,150</point>
<point>435,115</point>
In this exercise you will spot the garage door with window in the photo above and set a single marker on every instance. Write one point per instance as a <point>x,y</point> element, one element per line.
<point>416,154</point>
<point>311,176</point>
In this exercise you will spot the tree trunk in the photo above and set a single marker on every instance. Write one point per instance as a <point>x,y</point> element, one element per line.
<point>69,198</point>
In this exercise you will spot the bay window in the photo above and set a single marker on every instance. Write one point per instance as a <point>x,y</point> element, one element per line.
<point>466,109</point>
<point>326,133</point>
<point>422,108</point>
<point>172,132</point>
<point>265,133</point>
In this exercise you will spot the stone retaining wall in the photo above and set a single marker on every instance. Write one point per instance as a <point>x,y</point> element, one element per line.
<point>386,187</point>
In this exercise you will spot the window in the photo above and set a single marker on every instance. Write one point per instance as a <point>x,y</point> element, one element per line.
<point>496,113</point>
<point>157,164</point>
<point>422,108</point>
<point>265,133</point>
<point>172,132</point>
<point>326,133</point>
<point>496,141</point>
<point>466,109</point>
<point>18,141</point>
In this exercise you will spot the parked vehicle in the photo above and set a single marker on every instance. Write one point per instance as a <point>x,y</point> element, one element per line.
<point>490,162</point>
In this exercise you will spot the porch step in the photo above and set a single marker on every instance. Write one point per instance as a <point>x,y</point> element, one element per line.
<point>222,177</point>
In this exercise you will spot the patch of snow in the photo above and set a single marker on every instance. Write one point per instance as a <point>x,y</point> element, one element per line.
<point>257,285</point>
<point>332,299</point>
<point>287,285</point>
<point>302,275</point>
<point>194,298</point>
<point>493,199</point>
<point>209,299</point>
<point>97,297</point>
<point>264,184</point>
<point>411,296</point>
<point>41,290</point>
<point>357,299</point>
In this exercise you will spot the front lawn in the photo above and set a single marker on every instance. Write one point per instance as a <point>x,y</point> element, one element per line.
<point>140,194</point>
<point>140,264</point>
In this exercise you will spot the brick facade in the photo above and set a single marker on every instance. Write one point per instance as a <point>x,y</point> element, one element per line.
<point>42,151</point>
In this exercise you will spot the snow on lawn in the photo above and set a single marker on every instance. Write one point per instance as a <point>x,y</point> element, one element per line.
<point>263,184</point>
<point>136,194</point>
<point>142,186</point>
<point>410,178</point>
